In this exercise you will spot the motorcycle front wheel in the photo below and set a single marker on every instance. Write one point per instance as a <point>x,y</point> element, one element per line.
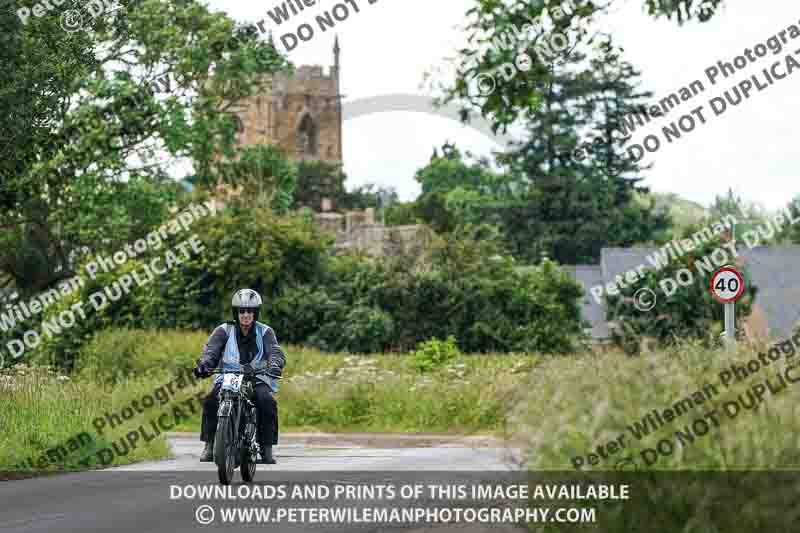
<point>248,468</point>
<point>223,450</point>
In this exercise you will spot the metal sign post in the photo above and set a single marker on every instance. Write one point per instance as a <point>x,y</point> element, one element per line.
<point>730,326</point>
<point>727,286</point>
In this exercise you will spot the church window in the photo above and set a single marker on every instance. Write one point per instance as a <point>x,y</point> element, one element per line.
<point>307,137</point>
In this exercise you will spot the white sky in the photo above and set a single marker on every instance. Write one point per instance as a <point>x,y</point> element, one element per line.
<point>388,46</point>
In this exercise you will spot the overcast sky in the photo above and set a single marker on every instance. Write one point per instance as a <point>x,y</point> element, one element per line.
<point>388,46</point>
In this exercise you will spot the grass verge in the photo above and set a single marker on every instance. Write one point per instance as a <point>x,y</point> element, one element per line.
<point>62,423</point>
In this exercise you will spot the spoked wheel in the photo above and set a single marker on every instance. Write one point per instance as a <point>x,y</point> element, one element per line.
<point>248,469</point>
<point>223,450</point>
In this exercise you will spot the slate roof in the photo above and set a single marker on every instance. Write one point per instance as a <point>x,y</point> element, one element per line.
<point>615,261</point>
<point>775,271</point>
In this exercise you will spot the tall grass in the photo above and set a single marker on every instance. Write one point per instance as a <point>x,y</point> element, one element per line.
<point>575,405</point>
<point>320,392</point>
<point>738,476</point>
<point>385,393</point>
<point>43,412</point>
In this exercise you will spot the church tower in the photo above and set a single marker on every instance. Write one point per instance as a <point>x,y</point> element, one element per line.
<point>300,113</point>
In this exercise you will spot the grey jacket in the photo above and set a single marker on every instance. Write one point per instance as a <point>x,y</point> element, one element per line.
<point>215,347</point>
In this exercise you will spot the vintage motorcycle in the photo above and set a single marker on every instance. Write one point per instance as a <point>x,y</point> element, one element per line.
<point>235,441</point>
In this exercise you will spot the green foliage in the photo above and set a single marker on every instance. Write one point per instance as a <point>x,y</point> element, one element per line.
<point>401,213</point>
<point>318,179</point>
<point>748,217</point>
<point>449,171</point>
<point>691,312</point>
<point>78,112</point>
<point>578,199</point>
<point>792,232</point>
<point>268,178</point>
<point>367,195</point>
<point>468,291</point>
<point>684,10</point>
<point>434,353</point>
<point>491,22</point>
<point>115,355</point>
<point>682,212</point>
<point>243,248</point>
<point>60,344</point>
<point>273,254</point>
<point>573,406</point>
<point>454,190</point>
<point>367,329</point>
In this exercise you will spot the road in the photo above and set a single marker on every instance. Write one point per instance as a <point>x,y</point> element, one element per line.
<point>150,496</point>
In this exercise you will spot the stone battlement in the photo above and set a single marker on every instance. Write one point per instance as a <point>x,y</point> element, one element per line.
<point>357,229</point>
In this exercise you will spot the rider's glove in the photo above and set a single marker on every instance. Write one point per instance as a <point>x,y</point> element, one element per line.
<point>201,371</point>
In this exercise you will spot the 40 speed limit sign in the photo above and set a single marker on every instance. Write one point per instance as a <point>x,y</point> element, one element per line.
<point>727,285</point>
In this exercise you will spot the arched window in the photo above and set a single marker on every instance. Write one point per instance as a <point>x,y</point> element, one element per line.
<point>307,137</point>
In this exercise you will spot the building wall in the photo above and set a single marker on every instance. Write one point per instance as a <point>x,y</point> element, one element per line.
<point>275,115</point>
<point>775,309</point>
<point>357,230</point>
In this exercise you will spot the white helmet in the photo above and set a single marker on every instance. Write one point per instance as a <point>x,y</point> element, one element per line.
<point>248,299</point>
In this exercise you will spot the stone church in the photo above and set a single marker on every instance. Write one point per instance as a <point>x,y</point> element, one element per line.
<point>301,114</point>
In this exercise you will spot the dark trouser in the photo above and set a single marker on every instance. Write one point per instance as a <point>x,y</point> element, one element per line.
<point>266,409</point>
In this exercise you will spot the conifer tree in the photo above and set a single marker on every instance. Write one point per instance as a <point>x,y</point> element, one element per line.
<point>578,202</point>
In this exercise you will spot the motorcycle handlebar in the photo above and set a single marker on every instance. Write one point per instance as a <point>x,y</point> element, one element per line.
<point>246,372</point>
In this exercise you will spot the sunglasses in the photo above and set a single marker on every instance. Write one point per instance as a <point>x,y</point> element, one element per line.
<point>247,311</point>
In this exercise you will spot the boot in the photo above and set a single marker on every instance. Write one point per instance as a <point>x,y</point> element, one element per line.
<point>266,456</point>
<point>208,452</point>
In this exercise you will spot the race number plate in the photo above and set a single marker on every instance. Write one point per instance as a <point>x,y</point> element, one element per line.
<point>232,382</point>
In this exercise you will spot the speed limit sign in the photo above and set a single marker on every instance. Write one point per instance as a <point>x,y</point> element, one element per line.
<point>727,285</point>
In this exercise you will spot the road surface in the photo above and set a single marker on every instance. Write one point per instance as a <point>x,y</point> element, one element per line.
<point>153,496</point>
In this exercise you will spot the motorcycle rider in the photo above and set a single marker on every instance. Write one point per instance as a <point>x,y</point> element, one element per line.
<point>234,343</point>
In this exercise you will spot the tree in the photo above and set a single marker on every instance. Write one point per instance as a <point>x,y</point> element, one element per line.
<point>748,215</point>
<point>86,144</point>
<point>269,179</point>
<point>453,189</point>
<point>507,28</point>
<point>368,195</point>
<point>317,179</point>
<point>576,203</point>
<point>790,233</point>
<point>688,312</point>
<point>450,171</point>
<point>683,10</point>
